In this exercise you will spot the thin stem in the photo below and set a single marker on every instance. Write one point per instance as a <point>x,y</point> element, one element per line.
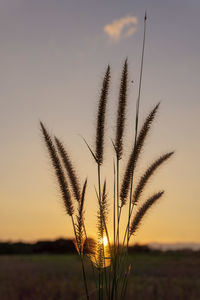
<point>116,240</point>
<point>93,271</point>
<point>120,211</point>
<point>114,207</point>
<point>118,203</point>
<point>99,181</point>
<point>114,235</point>
<point>99,184</point>
<point>118,216</point>
<point>132,206</point>
<point>125,283</point>
<point>106,279</point>
<point>84,278</point>
<point>131,189</point>
<point>109,282</point>
<point>82,263</point>
<point>142,63</point>
<point>114,281</point>
<point>102,285</point>
<point>137,118</point>
<point>99,285</point>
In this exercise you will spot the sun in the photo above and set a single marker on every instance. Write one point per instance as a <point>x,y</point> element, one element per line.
<point>105,241</point>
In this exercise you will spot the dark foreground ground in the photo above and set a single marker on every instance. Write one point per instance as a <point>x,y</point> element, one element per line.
<point>170,276</point>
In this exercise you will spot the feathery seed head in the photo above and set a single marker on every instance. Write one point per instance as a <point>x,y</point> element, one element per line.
<point>121,113</point>
<point>148,173</point>
<point>101,117</point>
<point>131,165</point>
<point>70,170</point>
<point>80,240</point>
<point>142,212</point>
<point>58,170</point>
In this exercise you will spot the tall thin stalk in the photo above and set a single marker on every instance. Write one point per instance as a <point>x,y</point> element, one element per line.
<point>120,126</point>
<point>137,119</point>
<point>114,204</point>
<point>82,263</point>
<point>101,224</point>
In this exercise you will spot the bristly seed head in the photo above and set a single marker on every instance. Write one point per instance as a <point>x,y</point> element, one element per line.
<point>131,165</point>
<point>70,170</point>
<point>101,117</point>
<point>121,113</point>
<point>147,175</point>
<point>80,222</point>
<point>58,170</point>
<point>142,212</point>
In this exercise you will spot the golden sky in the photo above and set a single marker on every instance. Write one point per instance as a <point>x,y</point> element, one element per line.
<point>53,57</point>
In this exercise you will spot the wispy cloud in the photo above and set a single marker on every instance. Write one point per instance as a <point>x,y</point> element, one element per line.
<point>116,30</point>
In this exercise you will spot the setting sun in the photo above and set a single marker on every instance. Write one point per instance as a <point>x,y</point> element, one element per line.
<point>105,241</point>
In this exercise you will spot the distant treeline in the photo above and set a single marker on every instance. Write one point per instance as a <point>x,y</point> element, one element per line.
<point>64,246</point>
<point>60,246</point>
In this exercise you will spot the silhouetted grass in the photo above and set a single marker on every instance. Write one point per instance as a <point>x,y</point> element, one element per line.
<point>109,260</point>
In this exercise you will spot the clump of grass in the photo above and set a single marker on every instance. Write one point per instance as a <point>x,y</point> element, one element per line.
<point>109,260</point>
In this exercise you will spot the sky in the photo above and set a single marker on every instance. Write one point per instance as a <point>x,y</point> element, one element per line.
<point>53,57</point>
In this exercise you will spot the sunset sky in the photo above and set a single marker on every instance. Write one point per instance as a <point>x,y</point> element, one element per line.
<point>53,57</point>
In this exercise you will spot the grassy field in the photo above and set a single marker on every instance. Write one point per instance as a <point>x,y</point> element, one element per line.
<point>154,276</point>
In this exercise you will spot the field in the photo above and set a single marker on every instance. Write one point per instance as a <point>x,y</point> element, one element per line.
<point>154,276</point>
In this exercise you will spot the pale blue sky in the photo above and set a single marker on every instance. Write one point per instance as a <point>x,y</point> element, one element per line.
<point>53,56</point>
